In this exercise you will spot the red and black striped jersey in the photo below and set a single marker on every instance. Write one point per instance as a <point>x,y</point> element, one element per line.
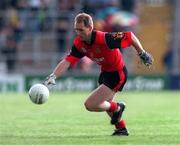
<point>103,49</point>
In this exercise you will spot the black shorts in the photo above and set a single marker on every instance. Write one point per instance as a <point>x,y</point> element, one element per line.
<point>115,80</point>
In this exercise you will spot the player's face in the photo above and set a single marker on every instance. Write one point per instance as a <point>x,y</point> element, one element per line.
<point>83,32</point>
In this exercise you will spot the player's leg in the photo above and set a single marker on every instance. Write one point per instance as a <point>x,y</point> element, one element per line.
<point>120,127</point>
<point>110,83</point>
<point>98,100</point>
<point>111,100</point>
<point>110,80</point>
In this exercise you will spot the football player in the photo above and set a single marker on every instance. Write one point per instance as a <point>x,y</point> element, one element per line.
<point>104,49</point>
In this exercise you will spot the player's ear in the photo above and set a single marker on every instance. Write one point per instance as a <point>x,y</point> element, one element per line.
<point>90,28</point>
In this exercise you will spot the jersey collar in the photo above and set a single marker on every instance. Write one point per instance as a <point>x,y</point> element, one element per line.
<point>93,36</point>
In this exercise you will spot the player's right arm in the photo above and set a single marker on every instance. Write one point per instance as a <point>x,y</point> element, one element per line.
<point>64,64</point>
<point>72,58</point>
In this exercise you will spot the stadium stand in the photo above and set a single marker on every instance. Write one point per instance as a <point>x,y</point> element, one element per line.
<point>41,28</point>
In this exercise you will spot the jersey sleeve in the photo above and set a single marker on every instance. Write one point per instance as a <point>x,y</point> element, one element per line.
<point>118,39</point>
<point>74,55</point>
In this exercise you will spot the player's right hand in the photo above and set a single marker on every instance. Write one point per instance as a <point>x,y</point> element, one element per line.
<point>50,80</point>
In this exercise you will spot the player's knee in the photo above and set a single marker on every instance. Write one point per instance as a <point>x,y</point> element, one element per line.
<point>88,106</point>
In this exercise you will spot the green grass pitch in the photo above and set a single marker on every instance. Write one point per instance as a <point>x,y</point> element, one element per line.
<point>153,118</point>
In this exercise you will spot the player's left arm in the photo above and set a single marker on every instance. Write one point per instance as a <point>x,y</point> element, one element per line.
<point>145,57</point>
<point>123,40</point>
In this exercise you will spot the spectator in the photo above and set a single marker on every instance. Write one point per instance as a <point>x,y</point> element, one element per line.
<point>22,7</point>
<point>44,18</point>
<point>61,30</point>
<point>33,21</point>
<point>168,59</point>
<point>128,5</point>
<point>65,8</point>
<point>9,46</point>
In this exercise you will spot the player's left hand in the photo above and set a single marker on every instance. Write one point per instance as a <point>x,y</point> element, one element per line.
<point>146,58</point>
<point>50,80</point>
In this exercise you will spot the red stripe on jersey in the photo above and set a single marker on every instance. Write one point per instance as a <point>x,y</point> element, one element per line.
<point>72,59</point>
<point>126,40</point>
<point>121,82</point>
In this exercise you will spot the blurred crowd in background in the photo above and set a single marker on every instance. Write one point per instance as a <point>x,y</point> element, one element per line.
<point>19,18</point>
<point>28,27</point>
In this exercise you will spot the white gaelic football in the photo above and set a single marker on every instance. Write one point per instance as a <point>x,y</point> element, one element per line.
<point>39,93</point>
